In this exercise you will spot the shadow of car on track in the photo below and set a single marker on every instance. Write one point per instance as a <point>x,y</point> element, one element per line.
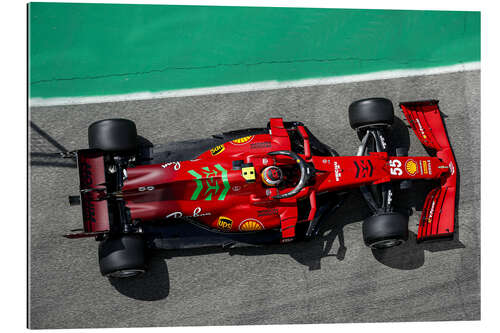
<point>45,151</point>
<point>411,255</point>
<point>155,284</point>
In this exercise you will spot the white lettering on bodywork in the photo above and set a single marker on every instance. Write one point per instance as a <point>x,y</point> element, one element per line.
<point>431,211</point>
<point>382,140</point>
<point>452,168</point>
<point>177,165</point>
<point>422,132</point>
<point>196,213</point>
<point>338,171</point>
<point>145,188</point>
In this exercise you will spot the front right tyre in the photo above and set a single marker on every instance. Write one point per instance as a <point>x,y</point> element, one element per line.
<point>385,230</point>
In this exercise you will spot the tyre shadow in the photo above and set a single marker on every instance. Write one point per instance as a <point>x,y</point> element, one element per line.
<point>411,255</point>
<point>153,285</point>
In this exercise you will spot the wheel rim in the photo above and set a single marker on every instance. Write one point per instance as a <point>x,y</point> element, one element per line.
<point>126,273</point>
<point>386,243</point>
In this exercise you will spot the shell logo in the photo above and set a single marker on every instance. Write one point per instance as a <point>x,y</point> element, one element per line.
<point>251,225</point>
<point>242,141</point>
<point>411,167</point>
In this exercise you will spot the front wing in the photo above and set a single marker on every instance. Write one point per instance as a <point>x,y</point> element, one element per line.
<point>438,214</point>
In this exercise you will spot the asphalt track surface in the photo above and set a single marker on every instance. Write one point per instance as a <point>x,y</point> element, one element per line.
<point>332,279</point>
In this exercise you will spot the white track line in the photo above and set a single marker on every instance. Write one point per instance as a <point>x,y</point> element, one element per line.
<point>257,86</point>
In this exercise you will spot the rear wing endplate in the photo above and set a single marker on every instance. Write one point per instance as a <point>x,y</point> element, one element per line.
<point>91,170</point>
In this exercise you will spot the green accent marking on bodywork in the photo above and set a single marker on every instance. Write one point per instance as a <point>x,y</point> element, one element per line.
<point>212,183</point>
<point>199,184</point>
<point>225,181</point>
<point>211,187</point>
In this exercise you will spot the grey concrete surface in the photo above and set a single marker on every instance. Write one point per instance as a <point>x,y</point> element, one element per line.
<point>296,283</point>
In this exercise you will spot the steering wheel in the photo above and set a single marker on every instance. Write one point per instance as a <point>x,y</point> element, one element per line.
<point>305,173</point>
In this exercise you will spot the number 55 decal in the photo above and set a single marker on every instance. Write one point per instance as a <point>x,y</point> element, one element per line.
<point>395,167</point>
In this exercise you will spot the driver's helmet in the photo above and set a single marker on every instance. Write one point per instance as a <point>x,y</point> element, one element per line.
<point>272,175</point>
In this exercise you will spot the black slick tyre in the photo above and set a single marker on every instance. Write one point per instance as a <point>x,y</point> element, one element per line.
<point>113,135</point>
<point>385,230</point>
<point>122,256</point>
<point>371,111</point>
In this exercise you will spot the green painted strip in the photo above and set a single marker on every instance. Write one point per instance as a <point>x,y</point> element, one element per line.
<point>225,181</point>
<point>104,49</point>
<point>211,179</point>
<point>199,184</point>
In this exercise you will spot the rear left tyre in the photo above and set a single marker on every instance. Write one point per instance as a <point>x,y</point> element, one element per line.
<point>113,135</point>
<point>385,230</point>
<point>122,256</point>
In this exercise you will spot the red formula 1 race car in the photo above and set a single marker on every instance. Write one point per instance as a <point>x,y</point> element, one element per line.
<point>257,185</point>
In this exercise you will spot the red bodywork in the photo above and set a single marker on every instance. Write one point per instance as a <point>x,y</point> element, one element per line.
<point>216,193</point>
<point>438,214</point>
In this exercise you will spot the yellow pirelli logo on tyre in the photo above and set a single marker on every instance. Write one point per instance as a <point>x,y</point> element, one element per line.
<point>217,150</point>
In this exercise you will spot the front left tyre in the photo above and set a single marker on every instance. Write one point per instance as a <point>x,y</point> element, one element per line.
<point>371,112</point>
<point>122,256</point>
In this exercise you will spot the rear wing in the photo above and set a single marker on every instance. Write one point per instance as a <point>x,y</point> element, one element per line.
<point>438,214</point>
<point>95,212</point>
